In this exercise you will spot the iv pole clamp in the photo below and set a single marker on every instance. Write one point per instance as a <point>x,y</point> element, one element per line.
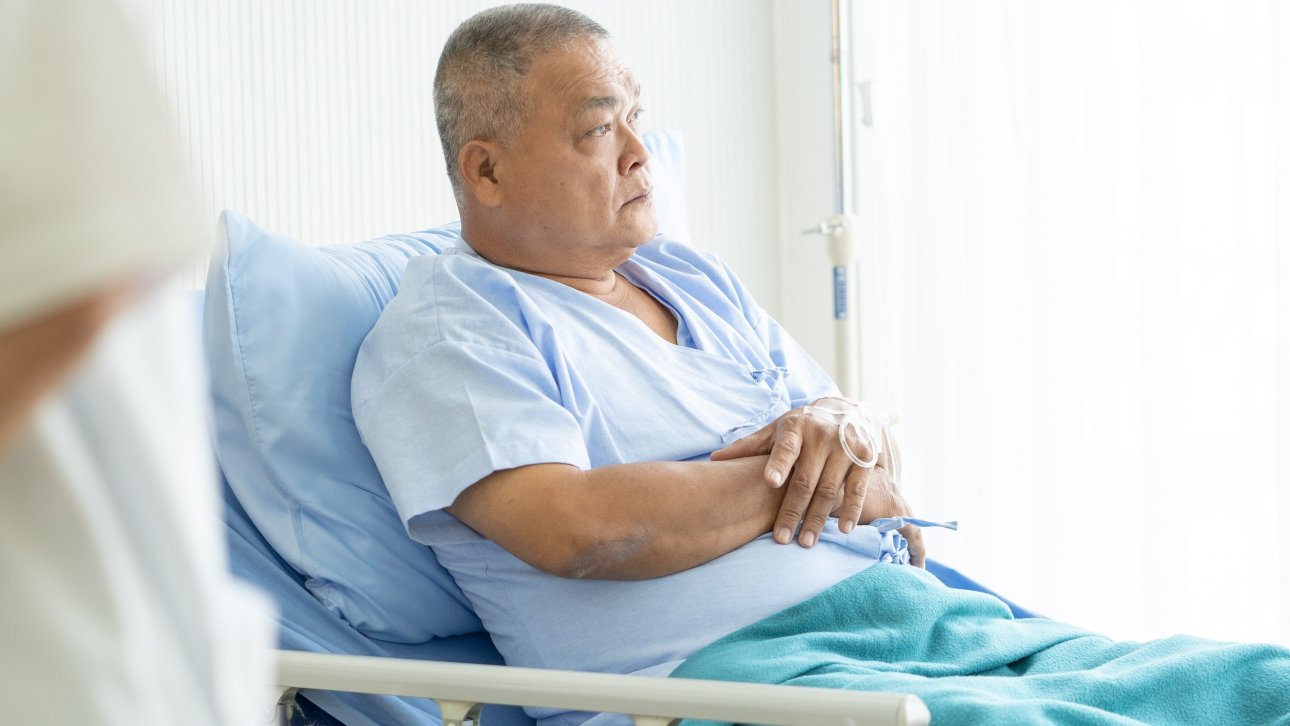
<point>842,231</point>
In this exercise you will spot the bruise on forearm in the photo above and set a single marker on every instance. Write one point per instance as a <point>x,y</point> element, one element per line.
<point>604,558</point>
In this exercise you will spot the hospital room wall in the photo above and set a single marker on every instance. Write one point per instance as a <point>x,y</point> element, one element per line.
<point>805,189</point>
<point>316,119</point>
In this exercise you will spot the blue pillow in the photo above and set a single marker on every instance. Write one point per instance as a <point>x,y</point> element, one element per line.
<point>283,322</point>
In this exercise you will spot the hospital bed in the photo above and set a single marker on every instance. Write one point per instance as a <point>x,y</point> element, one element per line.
<point>331,663</point>
<point>373,631</point>
<point>451,678</point>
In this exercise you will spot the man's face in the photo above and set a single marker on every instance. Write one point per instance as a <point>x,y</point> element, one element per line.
<point>577,177</point>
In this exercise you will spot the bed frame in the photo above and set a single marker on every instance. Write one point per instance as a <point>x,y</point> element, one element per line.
<point>461,690</point>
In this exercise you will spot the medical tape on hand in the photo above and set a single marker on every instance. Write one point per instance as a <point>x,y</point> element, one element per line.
<point>868,425</point>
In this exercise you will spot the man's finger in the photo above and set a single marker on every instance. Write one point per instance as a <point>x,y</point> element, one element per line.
<point>917,550</point>
<point>784,453</point>
<point>754,444</point>
<point>853,501</point>
<point>800,489</point>
<point>824,499</point>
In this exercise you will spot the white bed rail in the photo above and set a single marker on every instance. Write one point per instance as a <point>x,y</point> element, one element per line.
<point>461,690</point>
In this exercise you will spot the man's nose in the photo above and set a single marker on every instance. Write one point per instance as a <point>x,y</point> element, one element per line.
<point>634,153</point>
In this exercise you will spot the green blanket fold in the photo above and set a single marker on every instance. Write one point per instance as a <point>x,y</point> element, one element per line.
<point>896,628</point>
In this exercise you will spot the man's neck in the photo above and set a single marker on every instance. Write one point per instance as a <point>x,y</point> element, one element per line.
<point>603,286</point>
<point>594,277</point>
<point>594,281</point>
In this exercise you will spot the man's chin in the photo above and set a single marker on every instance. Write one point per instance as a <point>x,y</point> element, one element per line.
<point>646,228</point>
<point>644,237</point>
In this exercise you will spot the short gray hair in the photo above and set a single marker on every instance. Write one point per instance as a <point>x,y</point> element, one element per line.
<point>477,92</point>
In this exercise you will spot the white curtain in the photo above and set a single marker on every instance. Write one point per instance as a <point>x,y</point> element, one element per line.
<point>1075,290</point>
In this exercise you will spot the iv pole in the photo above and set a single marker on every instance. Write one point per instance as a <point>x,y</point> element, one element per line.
<point>843,228</point>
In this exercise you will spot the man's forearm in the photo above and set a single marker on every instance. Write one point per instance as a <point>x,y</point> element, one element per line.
<point>658,518</point>
<point>623,522</point>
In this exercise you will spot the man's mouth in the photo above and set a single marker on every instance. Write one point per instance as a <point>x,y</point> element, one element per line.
<point>644,196</point>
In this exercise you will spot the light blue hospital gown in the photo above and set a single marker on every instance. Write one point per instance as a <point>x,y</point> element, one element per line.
<point>475,368</point>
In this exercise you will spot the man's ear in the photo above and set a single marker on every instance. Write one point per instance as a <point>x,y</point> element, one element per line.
<point>477,164</point>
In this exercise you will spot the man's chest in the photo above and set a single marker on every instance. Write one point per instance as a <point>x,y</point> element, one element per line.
<point>655,315</point>
<point>639,397</point>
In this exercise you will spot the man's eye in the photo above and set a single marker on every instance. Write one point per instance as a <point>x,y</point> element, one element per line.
<point>636,116</point>
<point>600,130</point>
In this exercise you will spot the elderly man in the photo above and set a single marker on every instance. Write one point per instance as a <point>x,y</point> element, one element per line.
<point>542,401</point>
<point>601,435</point>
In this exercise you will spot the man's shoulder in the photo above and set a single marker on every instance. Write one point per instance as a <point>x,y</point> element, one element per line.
<point>456,284</point>
<point>456,268</point>
<point>452,297</point>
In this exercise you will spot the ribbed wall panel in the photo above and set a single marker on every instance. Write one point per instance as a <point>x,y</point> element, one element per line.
<point>317,120</point>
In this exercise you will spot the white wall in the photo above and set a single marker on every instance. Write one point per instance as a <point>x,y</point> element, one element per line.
<point>805,187</point>
<point>316,118</point>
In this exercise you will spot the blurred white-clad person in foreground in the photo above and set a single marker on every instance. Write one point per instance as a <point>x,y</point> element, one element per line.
<point>118,607</point>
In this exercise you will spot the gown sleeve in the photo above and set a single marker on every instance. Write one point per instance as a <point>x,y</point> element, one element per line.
<point>475,398</point>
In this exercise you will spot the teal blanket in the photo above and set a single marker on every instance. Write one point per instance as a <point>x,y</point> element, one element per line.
<point>896,628</point>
